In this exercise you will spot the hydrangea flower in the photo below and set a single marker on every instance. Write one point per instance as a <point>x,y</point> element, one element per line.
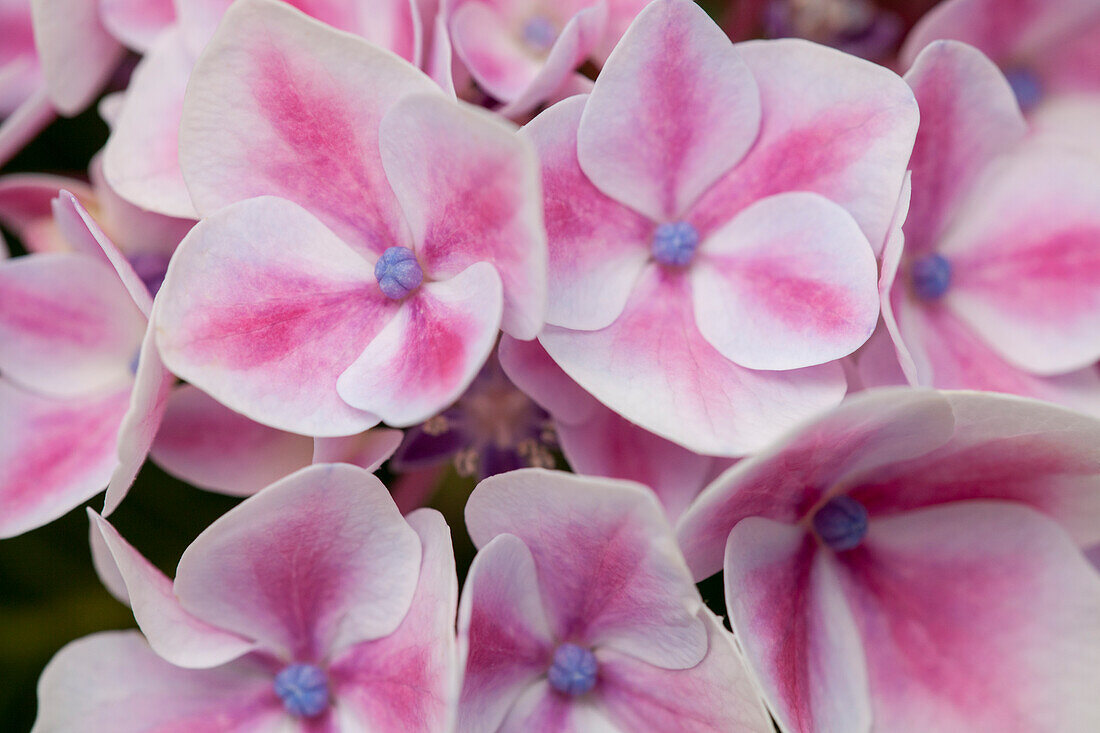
<point>1046,48</point>
<point>713,213</point>
<point>858,27</point>
<point>597,441</point>
<point>523,52</point>
<point>83,387</point>
<point>911,561</point>
<point>996,282</point>
<point>367,237</point>
<point>578,614</point>
<point>209,446</point>
<point>311,606</point>
<point>141,159</point>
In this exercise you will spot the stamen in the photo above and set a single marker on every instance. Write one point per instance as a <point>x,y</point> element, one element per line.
<point>398,273</point>
<point>1027,86</point>
<point>303,688</point>
<point>841,523</point>
<point>931,276</point>
<point>573,671</point>
<point>674,243</point>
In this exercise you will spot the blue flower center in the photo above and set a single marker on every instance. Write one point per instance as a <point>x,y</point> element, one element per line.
<point>398,273</point>
<point>540,33</point>
<point>674,243</point>
<point>931,276</point>
<point>303,688</point>
<point>841,523</point>
<point>1027,86</point>
<point>573,671</point>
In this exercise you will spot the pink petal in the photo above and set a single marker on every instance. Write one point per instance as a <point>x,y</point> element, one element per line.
<point>869,430</point>
<point>947,354</point>
<point>208,445</point>
<point>1002,448</point>
<point>25,208</point>
<point>408,681</point>
<point>789,613</point>
<point>112,682</point>
<point>608,568</point>
<point>469,189</point>
<point>969,116</point>
<point>281,297</point>
<point>715,695</point>
<point>572,46</point>
<point>76,52</point>
<point>504,638</point>
<point>174,634</point>
<point>608,445</point>
<point>82,232</point>
<point>55,453</point>
<point>67,326</point>
<point>1025,269</point>
<point>597,246</point>
<point>673,110</point>
<point>280,104</point>
<point>847,140</point>
<point>369,449</point>
<point>653,367</point>
<point>137,23</point>
<point>310,566</point>
<point>491,50</point>
<point>789,282</point>
<point>530,368</point>
<point>430,351</point>
<point>152,384</point>
<point>141,160</point>
<point>959,604</point>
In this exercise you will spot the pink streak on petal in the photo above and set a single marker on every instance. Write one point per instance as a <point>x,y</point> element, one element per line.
<point>958,604</point>
<point>67,325</point>
<point>849,142</point>
<point>674,109</point>
<point>54,453</point>
<point>408,681</point>
<point>469,188</point>
<point>794,625</point>
<point>280,104</point>
<point>310,566</point>
<point>597,246</point>
<point>425,357</point>
<point>504,638</point>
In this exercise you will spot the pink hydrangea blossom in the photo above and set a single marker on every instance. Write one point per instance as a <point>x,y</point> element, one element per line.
<point>363,230</point>
<point>912,561</point>
<point>142,154</point>
<point>996,282</point>
<point>713,214</point>
<point>312,606</point>
<point>578,614</point>
<point>83,387</point>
